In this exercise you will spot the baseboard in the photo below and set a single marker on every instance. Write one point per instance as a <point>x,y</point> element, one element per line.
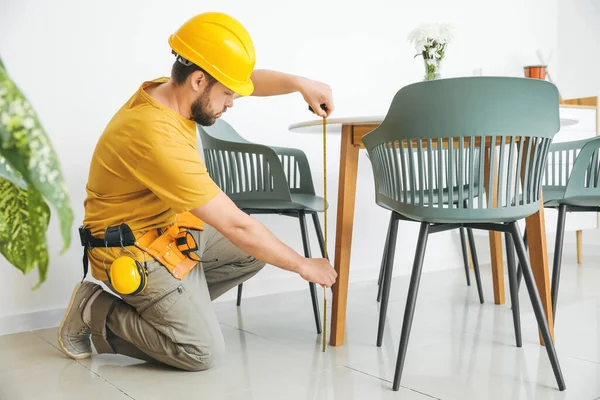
<point>31,321</point>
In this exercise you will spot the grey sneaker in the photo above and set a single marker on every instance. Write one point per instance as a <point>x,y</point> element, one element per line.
<point>73,333</point>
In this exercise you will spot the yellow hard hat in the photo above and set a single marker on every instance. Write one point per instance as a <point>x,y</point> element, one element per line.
<point>221,46</point>
<point>128,276</point>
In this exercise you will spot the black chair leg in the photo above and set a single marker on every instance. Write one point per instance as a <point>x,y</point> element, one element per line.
<point>512,283</point>
<point>381,273</point>
<point>519,272</point>
<point>383,260</point>
<point>313,287</point>
<point>319,231</point>
<point>475,264</point>
<point>558,249</point>
<point>411,301</point>
<point>537,304</point>
<point>239,295</point>
<point>463,243</point>
<point>387,277</point>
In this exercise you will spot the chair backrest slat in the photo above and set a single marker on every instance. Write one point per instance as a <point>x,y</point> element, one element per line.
<point>593,172</point>
<point>460,177</point>
<point>501,178</point>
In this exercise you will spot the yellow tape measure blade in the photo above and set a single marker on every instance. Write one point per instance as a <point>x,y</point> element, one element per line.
<point>325,228</point>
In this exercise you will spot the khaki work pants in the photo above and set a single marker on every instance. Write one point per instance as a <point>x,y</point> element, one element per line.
<point>172,321</point>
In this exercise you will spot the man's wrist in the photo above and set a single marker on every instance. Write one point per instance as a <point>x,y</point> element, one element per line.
<point>297,83</point>
<point>297,264</point>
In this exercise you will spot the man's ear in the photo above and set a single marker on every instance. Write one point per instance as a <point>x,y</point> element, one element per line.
<point>198,80</point>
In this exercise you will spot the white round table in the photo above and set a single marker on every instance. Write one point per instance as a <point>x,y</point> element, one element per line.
<point>314,125</point>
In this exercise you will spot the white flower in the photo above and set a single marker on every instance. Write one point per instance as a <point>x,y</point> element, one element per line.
<point>424,34</point>
<point>446,32</point>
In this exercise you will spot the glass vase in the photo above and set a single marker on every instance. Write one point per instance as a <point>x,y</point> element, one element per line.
<point>433,68</point>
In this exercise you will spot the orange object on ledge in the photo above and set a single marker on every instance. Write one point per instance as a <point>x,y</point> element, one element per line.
<point>535,71</point>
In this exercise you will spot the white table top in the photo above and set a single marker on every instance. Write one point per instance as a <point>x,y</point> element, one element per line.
<point>314,125</point>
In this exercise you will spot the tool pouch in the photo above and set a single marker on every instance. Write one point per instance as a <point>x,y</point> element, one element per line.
<point>163,248</point>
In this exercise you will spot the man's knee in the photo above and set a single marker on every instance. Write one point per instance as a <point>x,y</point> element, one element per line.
<point>195,358</point>
<point>248,267</point>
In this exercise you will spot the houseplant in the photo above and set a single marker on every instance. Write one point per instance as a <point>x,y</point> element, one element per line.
<point>430,42</point>
<point>30,178</point>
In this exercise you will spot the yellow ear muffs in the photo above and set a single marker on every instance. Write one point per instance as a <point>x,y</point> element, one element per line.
<point>128,276</point>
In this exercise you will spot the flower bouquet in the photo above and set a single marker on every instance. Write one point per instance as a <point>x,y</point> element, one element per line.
<point>430,41</point>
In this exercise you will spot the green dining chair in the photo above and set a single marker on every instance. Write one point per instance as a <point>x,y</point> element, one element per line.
<point>264,180</point>
<point>512,118</point>
<point>571,183</point>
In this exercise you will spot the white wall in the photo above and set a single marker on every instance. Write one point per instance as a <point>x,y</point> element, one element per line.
<point>578,56</point>
<point>79,61</point>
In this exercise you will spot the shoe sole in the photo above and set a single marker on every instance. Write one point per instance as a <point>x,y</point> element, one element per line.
<point>62,323</point>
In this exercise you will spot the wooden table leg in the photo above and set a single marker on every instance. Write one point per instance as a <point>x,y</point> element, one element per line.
<point>538,256</point>
<point>495,237</point>
<point>343,236</point>
<point>497,266</point>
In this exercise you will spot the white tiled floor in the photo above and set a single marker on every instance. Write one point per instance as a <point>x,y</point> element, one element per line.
<point>458,349</point>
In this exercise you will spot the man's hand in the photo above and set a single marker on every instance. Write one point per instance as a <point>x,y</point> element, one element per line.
<point>319,271</point>
<point>316,93</point>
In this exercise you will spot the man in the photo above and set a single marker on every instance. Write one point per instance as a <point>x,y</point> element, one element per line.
<point>146,173</point>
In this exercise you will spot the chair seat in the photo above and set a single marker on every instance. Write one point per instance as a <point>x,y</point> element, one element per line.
<point>554,197</point>
<point>305,202</point>
<point>445,195</point>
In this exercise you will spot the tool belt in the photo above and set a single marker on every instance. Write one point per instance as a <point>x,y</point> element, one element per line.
<point>172,246</point>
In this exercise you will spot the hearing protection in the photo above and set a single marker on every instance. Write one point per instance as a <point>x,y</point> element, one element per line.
<point>127,275</point>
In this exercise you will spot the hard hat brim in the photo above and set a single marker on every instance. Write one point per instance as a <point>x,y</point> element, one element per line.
<point>245,89</point>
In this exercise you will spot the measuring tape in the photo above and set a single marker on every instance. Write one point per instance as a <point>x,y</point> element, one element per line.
<point>325,218</point>
<point>324,107</point>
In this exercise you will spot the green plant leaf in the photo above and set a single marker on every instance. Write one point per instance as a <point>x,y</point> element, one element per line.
<point>7,172</point>
<point>24,219</point>
<point>26,147</point>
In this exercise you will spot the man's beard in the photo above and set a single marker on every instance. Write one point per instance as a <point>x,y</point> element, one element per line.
<point>199,110</point>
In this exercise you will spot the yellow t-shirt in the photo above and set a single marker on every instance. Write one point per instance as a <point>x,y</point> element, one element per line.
<point>145,170</point>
